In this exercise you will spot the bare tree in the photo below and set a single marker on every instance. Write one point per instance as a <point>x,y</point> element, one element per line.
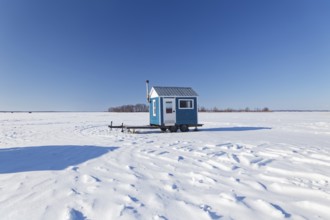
<point>130,108</point>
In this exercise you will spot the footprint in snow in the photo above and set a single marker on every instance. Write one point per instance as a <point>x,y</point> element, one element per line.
<point>159,217</point>
<point>171,187</point>
<point>235,158</point>
<point>201,179</point>
<point>269,209</point>
<point>90,179</point>
<point>130,167</point>
<point>128,210</point>
<point>134,201</point>
<point>180,158</point>
<point>217,154</point>
<point>265,162</point>
<point>232,197</point>
<point>74,214</point>
<point>208,210</point>
<point>75,168</point>
<point>75,191</point>
<point>164,152</point>
<point>226,145</point>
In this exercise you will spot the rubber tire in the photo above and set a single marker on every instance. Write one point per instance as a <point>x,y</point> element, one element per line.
<point>173,128</point>
<point>184,128</point>
<point>163,129</point>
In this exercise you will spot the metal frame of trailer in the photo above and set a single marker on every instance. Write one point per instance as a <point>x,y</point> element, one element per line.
<point>132,128</point>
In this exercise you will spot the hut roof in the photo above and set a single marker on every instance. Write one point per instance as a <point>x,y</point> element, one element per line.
<point>175,91</point>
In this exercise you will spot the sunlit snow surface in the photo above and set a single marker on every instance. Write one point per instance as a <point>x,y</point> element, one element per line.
<point>237,166</point>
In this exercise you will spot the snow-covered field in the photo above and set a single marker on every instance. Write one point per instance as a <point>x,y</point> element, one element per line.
<point>238,166</point>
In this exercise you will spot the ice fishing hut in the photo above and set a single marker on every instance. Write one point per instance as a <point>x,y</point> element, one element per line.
<point>173,107</point>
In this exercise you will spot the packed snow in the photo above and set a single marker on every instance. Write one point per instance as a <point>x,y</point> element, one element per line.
<point>237,166</point>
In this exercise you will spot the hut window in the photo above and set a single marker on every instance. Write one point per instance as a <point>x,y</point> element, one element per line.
<point>186,103</point>
<point>169,107</point>
<point>154,107</point>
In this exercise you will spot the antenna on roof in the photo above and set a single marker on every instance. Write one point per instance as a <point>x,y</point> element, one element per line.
<point>147,86</point>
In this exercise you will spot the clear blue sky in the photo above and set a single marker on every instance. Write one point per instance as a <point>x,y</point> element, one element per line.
<point>84,55</point>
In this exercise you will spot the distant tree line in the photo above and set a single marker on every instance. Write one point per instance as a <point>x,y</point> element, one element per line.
<point>216,109</point>
<point>130,108</point>
<point>145,108</point>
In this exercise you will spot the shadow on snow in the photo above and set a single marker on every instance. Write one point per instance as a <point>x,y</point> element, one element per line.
<point>41,158</point>
<point>235,129</point>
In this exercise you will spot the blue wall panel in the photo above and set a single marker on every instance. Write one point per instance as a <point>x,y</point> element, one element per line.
<point>186,116</point>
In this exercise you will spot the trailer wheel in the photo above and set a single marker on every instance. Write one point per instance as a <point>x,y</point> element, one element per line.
<point>184,128</point>
<point>163,128</point>
<point>173,128</point>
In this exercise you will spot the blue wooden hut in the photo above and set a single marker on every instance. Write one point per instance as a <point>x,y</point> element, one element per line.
<point>173,108</point>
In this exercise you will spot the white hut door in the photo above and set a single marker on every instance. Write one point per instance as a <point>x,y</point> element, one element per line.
<point>169,111</point>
